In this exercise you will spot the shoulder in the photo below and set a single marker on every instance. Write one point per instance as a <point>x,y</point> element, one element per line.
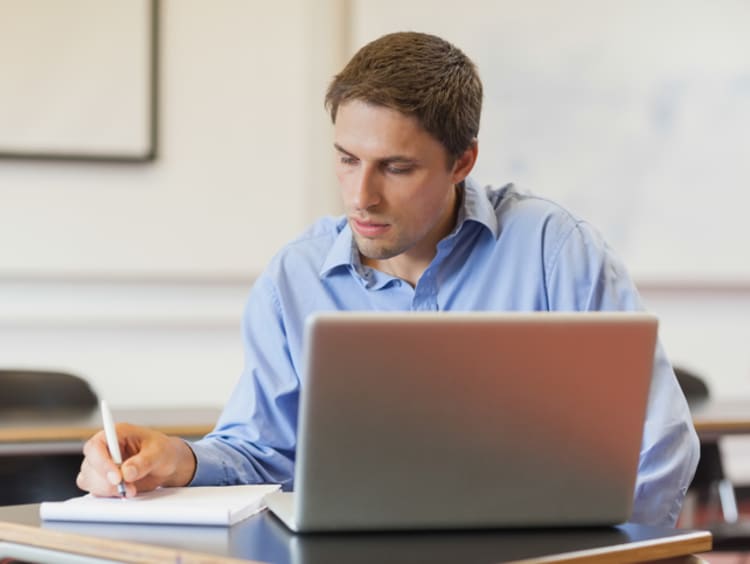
<point>297,265</point>
<point>306,253</point>
<point>521,210</point>
<point>536,224</point>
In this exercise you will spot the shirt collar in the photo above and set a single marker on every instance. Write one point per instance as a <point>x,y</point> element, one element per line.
<point>343,252</point>
<point>475,206</point>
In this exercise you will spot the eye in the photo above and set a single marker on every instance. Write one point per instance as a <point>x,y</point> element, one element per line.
<point>348,160</point>
<point>399,169</point>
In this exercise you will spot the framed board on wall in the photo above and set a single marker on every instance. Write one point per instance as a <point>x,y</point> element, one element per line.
<point>78,80</point>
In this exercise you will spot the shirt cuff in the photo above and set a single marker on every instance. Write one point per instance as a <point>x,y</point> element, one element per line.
<point>210,465</point>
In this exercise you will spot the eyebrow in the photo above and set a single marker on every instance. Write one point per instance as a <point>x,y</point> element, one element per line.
<point>389,159</point>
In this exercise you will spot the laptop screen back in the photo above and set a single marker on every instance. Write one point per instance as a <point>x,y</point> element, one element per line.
<point>448,420</point>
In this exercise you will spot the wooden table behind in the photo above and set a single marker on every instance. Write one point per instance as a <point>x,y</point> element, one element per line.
<point>30,429</point>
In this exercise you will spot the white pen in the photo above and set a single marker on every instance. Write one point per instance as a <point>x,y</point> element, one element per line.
<point>112,444</point>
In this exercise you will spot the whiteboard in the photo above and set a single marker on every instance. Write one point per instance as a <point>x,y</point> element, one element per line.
<point>77,79</point>
<point>634,115</point>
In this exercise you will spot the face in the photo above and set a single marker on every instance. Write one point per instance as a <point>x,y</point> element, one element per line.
<point>398,190</point>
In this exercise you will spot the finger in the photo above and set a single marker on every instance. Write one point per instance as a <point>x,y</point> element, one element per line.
<point>147,484</point>
<point>97,454</point>
<point>95,467</point>
<point>90,480</point>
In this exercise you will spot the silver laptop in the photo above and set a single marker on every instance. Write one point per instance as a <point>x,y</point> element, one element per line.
<point>469,420</point>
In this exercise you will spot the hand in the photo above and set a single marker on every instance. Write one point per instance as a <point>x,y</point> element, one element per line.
<point>150,459</point>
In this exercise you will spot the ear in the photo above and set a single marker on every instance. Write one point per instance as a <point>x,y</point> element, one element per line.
<point>465,162</point>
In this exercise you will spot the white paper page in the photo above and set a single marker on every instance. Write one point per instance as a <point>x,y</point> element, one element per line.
<point>204,505</point>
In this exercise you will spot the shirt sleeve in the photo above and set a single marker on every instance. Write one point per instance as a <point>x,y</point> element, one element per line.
<point>583,274</point>
<point>255,438</point>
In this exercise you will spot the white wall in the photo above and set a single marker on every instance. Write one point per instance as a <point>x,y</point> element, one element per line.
<point>135,275</point>
<point>138,343</point>
<point>707,331</point>
<point>232,180</point>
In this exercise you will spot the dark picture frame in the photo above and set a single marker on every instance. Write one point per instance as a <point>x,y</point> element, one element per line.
<point>81,80</point>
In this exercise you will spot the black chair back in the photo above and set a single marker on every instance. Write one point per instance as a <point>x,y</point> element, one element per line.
<point>693,386</point>
<point>32,477</point>
<point>30,389</point>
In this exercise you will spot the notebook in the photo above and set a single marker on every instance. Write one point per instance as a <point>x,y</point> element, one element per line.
<point>469,420</point>
<point>200,505</point>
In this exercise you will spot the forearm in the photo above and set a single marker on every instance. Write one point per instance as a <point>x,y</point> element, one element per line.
<point>669,452</point>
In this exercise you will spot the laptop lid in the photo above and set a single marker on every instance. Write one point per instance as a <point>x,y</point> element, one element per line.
<point>453,420</point>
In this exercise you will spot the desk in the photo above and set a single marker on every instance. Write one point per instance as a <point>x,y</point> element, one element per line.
<point>265,539</point>
<point>63,431</point>
<point>713,418</point>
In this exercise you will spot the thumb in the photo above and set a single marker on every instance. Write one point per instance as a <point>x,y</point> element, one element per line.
<point>141,464</point>
<point>130,470</point>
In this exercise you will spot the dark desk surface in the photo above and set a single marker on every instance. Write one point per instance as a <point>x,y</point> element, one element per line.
<point>263,538</point>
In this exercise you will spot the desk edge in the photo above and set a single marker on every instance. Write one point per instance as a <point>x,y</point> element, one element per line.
<point>653,549</point>
<point>118,550</point>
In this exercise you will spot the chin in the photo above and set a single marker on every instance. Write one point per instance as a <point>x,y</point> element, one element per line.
<point>375,252</point>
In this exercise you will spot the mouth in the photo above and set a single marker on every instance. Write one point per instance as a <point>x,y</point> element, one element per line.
<point>367,228</point>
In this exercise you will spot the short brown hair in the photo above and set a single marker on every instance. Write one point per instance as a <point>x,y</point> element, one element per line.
<point>419,75</point>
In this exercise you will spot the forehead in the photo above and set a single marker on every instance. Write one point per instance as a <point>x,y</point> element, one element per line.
<point>367,129</point>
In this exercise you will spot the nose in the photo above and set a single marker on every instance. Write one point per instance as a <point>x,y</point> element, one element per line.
<point>365,189</point>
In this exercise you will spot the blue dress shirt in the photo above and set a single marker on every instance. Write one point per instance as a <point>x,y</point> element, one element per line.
<point>509,251</point>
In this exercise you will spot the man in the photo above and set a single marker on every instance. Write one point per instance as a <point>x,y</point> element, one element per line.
<point>418,234</point>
